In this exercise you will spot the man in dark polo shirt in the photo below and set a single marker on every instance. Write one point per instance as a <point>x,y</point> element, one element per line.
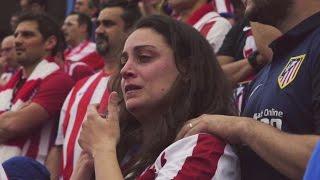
<point>284,98</point>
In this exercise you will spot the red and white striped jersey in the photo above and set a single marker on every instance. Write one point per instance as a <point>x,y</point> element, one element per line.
<point>87,91</point>
<point>223,6</point>
<point>250,44</point>
<point>210,24</point>
<point>201,156</point>
<point>85,52</point>
<point>77,70</point>
<point>6,76</point>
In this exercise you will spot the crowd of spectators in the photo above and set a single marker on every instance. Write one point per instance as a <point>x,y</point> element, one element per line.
<point>162,89</point>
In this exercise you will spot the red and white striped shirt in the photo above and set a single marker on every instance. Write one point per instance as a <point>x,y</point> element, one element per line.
<point>223,6</point>
<point>77,70</point>
<point>201,156</point>
<point>87,91</point>
<point>210,24</point>
<point>42,87</point>
<point>85,52</point>
<point>250,44</point>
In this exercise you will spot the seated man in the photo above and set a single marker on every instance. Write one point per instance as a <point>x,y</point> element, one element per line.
<point>32,99</point>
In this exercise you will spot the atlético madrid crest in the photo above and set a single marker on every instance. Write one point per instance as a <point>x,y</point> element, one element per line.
<point>290,71</point>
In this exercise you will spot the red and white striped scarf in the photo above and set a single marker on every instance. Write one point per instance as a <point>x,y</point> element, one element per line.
<point>12,99</point>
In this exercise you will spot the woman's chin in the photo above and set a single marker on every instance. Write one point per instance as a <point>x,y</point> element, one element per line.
<point>138,110</point>
<point>133,107</point>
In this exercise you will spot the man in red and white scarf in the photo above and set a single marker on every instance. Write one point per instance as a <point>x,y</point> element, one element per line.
<point>115,21</point>
<point>31,101</point>
<point>201,15</point>
<point>77,29</point>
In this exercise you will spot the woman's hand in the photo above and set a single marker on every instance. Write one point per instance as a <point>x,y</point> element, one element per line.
<point>100,134</point>
<point>84,169</point>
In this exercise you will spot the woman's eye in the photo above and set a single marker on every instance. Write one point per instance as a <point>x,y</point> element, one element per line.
<point>144,58</point>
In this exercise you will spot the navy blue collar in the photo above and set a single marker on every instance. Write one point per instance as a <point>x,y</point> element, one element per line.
<point>294,36</point>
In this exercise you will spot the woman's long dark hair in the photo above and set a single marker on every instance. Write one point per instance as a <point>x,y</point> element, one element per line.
<point>200,88</point>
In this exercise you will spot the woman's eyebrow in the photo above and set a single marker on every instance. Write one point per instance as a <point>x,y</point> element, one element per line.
<point>141,47</point>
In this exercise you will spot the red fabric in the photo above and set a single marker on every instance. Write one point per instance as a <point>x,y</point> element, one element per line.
<point>24,94</point>
<point>201,164</point>
<point>13,81</point>
<point>81,46</point>
<point>80,116</point>
<point>206,28</point>
<point>49,94</point>
<point>71,101</point>
<point>229,5</point>
<point>81,72</point>
<point>196,163</point>
<point>149,174</point>
<point>53,91</point>
<point>199,13</point>
<point>94,60</point>
<point>103,106</point>
<point>21,93</point>
<point>32,152</point>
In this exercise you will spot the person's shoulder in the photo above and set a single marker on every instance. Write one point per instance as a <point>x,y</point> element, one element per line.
<point>204,140</point>
<point>93,76</point>
<point>59,78</point>
<point>198,156</point>
<point>82,71</point>
<point>59,74</point>
<point>214,16</point>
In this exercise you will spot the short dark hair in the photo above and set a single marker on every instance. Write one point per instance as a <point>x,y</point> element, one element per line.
<point>84,19</point>
<point>131,10</point>
<point>47,27</point>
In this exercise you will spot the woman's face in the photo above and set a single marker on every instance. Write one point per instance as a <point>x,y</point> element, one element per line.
<point>148,72</point>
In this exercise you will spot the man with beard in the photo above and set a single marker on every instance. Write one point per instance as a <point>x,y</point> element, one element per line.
<point>81,51</point>
<point>284,99</point>
<point>113,24</point>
